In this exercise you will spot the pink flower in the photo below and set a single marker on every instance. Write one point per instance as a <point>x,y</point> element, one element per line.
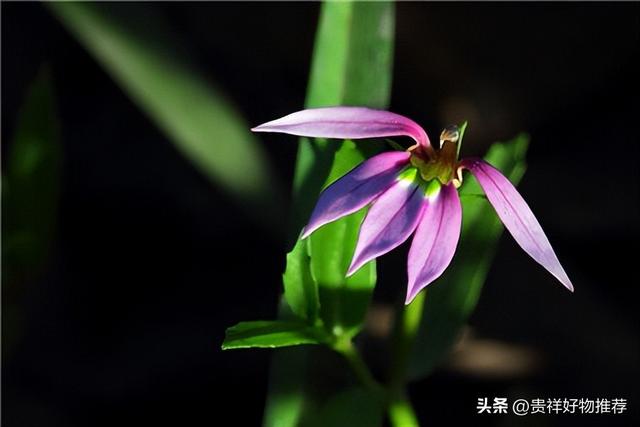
<point>411,192</point>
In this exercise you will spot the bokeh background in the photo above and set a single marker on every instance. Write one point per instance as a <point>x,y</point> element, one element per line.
<point>150,261</point>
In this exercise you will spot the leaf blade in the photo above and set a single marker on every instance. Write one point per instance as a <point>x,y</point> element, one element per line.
<point>271,334</point>
<point>363,45</point>
<point>300,288</point>
<point>292,401</point>
<point>192,113</point>
<point>31,184</point>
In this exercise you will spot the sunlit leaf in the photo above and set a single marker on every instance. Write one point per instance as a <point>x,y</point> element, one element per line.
<point>344,300</point>
<point>142,54</point>
<point>271,334</point>
<point>300,289</point>
<point>351,66</point>
<point>452,298</point>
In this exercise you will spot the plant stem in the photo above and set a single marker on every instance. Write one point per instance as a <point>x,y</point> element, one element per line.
<point>400,410</point>
<point>401,413</point>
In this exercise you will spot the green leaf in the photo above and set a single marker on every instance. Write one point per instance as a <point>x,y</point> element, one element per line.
<point>287,403</point>
<point>300,289</point>
<point>31,184</point>
<point>30,196</point>
<point>134,46</point>
<point>452,299</point>
<point>344,300</point>
<point>271,334</point>
<point>351,66</point>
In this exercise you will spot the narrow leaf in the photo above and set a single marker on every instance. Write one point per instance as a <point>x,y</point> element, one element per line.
<point>31,184</point>
<point>153,70</point>
<point>351,66</point>
<point>300,289</point>
<point>30,197</point>
<point>343,300</point>
<point>271,334</point>
<point>355,40</point>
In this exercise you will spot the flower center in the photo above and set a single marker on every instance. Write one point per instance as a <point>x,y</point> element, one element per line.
<point>440,164</point>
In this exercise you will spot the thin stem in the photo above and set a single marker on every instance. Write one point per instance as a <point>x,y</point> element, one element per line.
<point>404,336</point>
<point>400,409</point>
<point>401,413</point>
<point>350,352</point>
<point>394,145</point>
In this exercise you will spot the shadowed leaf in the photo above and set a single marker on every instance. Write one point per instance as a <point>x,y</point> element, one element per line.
<point>31,183</point>
<point>30,196</point>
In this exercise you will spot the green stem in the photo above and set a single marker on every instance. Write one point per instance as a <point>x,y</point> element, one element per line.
<point>400,410</point>
<point>401,413</point>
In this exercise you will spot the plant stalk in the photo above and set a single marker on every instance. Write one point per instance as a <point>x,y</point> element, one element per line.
<point>401,412</point>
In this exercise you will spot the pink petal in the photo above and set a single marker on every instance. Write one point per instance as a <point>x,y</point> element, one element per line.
<point>435,240</point>
<point>357,188</point>
<point>346,123</point>
<point>517,217</point>
<point>390,221</point>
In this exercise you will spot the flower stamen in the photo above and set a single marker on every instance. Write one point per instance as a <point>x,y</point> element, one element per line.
<point>442,164</point>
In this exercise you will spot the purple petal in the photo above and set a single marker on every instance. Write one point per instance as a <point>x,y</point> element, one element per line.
<point>357,188</point>
<point>346,123</point>
<point>517,217</point>
<point>390,221</point>
<point>435,240</point>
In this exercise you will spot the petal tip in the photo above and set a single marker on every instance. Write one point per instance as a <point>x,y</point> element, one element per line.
<point>568,285</point>
<point>410,297</point>
<point>352,269</point>
<point>306,232</point>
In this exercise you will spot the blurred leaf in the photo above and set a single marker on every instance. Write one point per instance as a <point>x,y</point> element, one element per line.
<point>31,184</point>
<point>454,296</point>
<point>351,65</point>
<point>300,289</point>
<point>287,404</point>
<point>354,407</point>
<point>271,334</point>
<point>140,52</point>
<point>30,195</point>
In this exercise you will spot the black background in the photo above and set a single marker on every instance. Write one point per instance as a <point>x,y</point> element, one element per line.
<point>151,262</point>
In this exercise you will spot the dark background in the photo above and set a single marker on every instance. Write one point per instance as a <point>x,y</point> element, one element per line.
<point>151,262</point>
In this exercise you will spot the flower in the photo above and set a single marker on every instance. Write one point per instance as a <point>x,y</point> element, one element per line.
<point>411,192</point>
